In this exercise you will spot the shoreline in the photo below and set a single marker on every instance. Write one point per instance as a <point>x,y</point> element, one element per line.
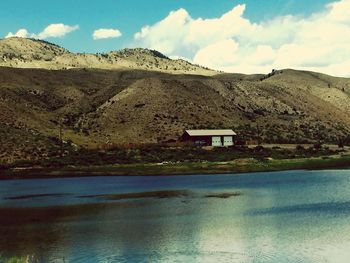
<point>183,168</point>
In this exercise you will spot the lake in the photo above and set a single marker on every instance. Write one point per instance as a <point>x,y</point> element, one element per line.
<point>292,216</point>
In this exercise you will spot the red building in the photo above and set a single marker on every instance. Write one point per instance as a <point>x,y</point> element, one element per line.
<point>217,138</point>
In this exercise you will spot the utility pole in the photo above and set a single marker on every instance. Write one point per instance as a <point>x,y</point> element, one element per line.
<point>258,133</point>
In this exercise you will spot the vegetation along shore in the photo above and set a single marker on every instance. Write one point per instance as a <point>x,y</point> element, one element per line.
<point>160,160</point>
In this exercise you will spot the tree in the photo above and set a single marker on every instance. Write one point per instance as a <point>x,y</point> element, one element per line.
<point>318,146</point>
<point>341,143</point>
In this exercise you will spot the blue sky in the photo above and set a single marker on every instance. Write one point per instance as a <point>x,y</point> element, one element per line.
<point>128,16</point>
<point>247,36</point>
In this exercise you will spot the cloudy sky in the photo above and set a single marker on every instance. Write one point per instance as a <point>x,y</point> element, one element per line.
<point>248,36</point>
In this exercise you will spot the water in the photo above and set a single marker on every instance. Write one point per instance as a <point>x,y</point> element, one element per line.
<point>294,216</point>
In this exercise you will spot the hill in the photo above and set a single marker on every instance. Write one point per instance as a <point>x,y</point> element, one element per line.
<point>31,53</point>
<point>102,107</point>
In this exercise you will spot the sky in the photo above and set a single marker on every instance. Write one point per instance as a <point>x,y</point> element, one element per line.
<point>247,36</point>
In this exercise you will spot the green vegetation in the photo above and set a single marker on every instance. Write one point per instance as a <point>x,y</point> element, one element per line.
<point>157,160</point>
<point>15,260</point>
<point>157,153</point>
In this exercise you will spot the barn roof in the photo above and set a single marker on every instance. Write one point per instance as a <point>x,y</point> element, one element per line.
<point>227,132</point>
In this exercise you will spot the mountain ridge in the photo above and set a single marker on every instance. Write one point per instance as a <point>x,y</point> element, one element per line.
<point>32,53</point>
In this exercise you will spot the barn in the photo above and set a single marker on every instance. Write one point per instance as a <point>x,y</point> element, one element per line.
<point>216,138</point>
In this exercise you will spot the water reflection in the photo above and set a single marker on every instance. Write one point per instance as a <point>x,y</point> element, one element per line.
<point>281,221</point>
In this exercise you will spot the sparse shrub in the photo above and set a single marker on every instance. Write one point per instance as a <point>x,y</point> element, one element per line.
<point>240,142</point>
<point>318,146</point>
<point>259,148</point>
<point>299,148</point>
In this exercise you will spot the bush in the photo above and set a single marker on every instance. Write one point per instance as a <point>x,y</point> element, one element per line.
<point>3,166</point>
<point>240,142</point>
<point>299,148</point>
<point>318,146</point>
<point>259,148</point>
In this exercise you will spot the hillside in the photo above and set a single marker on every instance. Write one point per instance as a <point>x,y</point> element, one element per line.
<point>31,53</point>
<point>99,107</point>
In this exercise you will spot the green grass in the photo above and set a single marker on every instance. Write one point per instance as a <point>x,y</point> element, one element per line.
<point>159,153</point>
<point>14,260</point>
<point>235,166</point>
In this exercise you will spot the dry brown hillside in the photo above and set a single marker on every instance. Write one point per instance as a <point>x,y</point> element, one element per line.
<point>31,53</point>
<point>97,107</point>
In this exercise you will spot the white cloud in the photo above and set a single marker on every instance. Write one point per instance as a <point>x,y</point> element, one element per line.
<point>20,33</point>
<point>53,30</point>
<point>104,33</point>
<point>56,30</point>
<point>231,42</point>
<point>224,51</point>
<point>167,35</point>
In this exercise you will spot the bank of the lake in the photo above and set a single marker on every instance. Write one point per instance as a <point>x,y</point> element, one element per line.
<point>245,165</point>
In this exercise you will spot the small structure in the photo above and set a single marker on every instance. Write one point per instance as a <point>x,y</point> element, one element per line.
<point>216,138</point>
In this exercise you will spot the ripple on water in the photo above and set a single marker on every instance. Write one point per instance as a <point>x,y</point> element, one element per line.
<point>279,219</point>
